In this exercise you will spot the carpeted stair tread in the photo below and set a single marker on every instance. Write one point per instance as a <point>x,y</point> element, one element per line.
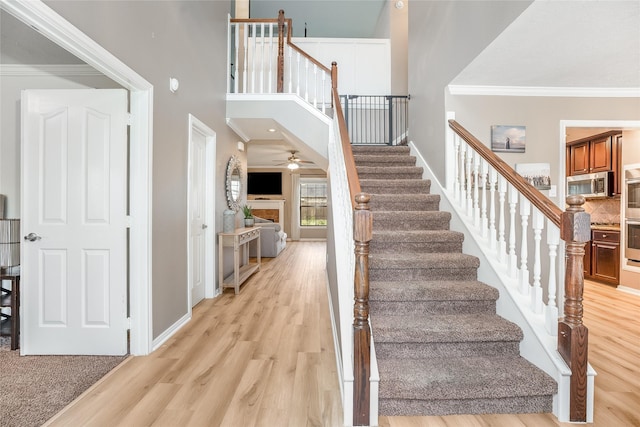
<point>423,260</point>
<point>462,378</point>
<point>407,202</point>
<point>440,290</point>
<point>447,328</point>
<point>395,186</point>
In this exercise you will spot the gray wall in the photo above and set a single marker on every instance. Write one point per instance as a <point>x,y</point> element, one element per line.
<point>444,37</point>
<point>159,40</point>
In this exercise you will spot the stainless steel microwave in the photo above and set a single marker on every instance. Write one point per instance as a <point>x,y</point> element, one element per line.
<point>591,185</point>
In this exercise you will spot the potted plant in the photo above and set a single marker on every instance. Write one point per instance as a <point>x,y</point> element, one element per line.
<point>248,216</point>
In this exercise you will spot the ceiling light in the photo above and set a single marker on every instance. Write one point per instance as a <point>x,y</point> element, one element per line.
<point>293,166</point>
<point>271,130</point>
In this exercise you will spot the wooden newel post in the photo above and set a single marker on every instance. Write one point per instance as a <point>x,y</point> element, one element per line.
<point>362,233</point>
<point>572,334</point>
<point>280,75</point>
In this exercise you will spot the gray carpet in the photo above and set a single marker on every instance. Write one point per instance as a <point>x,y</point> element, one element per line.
<point>440,346</point>
<point>34,388</point>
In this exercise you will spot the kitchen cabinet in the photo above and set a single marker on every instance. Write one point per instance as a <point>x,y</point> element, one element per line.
<point>596,153</point>
<point>605,256</point>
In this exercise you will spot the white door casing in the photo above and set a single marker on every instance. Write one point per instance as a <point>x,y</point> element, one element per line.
<point>74,189</point>
<point>200,206</point>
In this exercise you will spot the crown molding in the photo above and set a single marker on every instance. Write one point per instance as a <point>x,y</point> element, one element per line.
<point>34,70</point>
<point>582,92</point>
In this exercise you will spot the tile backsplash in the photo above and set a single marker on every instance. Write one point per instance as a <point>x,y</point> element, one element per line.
<point>603,211</point>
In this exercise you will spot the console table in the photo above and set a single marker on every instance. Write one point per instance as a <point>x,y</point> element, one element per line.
<point>237,239</point>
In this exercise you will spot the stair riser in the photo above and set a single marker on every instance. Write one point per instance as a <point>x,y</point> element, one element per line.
<point>422,188</point>
<point>422,247</point>
<point>399,224</point>
<point>432,307</point>
<point>379,150</point>
<point>416,205</point>
<point>388,160</point>
<point>385,274</point>
<point>431,350</point>
<point>508,405</point>
<point>390,175</point>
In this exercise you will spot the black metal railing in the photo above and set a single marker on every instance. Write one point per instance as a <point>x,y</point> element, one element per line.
<point>376,119</point>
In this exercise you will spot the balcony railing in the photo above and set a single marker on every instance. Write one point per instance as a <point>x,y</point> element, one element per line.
<point>377,119</point>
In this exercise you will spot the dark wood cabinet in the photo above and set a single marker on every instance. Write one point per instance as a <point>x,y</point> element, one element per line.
<point>597,153</point>
<point>605,256</point>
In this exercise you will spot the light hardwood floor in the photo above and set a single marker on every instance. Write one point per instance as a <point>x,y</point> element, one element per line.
<point>266,358</point>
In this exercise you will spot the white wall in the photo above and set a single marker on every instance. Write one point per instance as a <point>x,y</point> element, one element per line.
<point>363,64</point>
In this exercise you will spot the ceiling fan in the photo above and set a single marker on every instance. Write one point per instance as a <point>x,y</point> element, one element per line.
<point>293,162</point>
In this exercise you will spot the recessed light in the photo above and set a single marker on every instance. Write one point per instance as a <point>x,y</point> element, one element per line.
<point>271,130</point>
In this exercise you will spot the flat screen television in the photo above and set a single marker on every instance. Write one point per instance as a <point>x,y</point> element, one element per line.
<point>264,183</point>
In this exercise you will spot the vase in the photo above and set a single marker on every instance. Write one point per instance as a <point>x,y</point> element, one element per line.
<point>228,221</point>
<point>248,222</point>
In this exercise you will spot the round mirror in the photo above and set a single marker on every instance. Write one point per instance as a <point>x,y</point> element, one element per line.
<point>234,183</point>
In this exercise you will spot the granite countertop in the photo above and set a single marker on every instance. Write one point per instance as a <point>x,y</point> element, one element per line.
<point>606,227</point>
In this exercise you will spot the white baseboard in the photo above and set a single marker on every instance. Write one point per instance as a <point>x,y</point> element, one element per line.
<point>632,291</point>
<point>169,332</point>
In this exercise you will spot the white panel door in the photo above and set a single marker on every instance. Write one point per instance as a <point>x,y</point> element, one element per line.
<point>74,192</point>
<point>197,214</point>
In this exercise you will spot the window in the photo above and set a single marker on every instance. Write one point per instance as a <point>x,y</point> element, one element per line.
<point>313,202</point>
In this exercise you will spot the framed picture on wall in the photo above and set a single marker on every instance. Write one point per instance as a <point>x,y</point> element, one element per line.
<point>508,139</point>
<point>536,174</point>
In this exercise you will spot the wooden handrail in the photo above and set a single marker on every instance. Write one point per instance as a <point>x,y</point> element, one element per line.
<point>575,230</point>
<point>539,200</point>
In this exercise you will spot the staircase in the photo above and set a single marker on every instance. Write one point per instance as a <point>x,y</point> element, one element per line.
<point>441,348</point>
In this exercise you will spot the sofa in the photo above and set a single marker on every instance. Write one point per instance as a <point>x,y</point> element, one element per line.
<point>272,239</point>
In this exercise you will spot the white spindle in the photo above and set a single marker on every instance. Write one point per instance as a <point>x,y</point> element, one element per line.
<point>245,55</point>
<point>476,185</point>
<point>537,223</point>
<point>551,309</point>
<point>270,86</point>
<point>502,243</point>
<point>253,58</point>
<point>237,77</point>
<point>484,171</point>
<point>306,79</point>
<point>456,167</point>
<point>525,211</point>
<point>468,179</point>
<point>298,72</point>
<point>493,179</point>
<point>290,70</point>
<point>513,259</point>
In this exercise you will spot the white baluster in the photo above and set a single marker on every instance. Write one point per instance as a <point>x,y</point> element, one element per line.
<point>315,86</point>
<point>253,58</point>
<point>306,79</point>
<point>456,167</point>
<point>502,243</point>
<point>237,77</point>
<point>262,61</point>
<point>476,185</point>
<point>298,65</point>
<point>525,211</point>
<point>290,70</point>
<point>484,222</point>
<point>270,86</point>
<point>537,223</point>
<point>513,259</point>
<point>551,309</point>
<point>493,179</point>
<point>245,54</point>
<point>468,180</point>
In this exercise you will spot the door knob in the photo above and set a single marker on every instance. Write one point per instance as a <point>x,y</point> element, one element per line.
<point>204,226</point>
<point>32,237</point>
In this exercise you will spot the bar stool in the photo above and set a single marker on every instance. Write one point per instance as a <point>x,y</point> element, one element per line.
<point>10,298</point>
